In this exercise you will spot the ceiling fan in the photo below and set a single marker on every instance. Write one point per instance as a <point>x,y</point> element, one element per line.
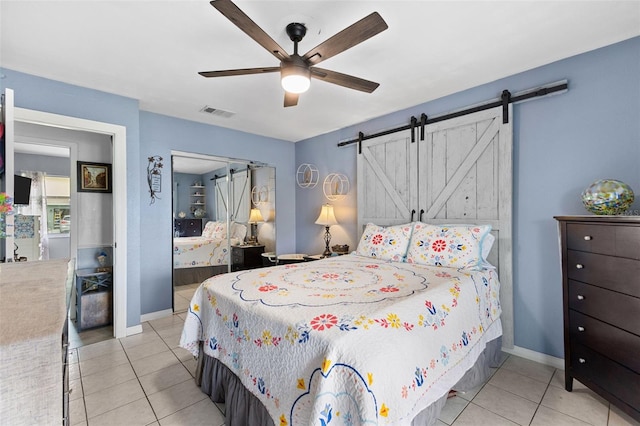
<point>296,70</point>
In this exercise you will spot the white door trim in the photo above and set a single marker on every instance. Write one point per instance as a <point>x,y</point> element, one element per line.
<point>119,138</point>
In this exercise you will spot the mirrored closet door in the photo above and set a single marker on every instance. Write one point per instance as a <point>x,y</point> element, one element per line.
<point>223,219</point>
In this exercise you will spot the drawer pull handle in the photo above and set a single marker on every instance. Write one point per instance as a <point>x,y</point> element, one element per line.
<point>579,266</point>
<point>580,328</point>
<point>580,297</point>
<point>588,237</point>
<point>582,360</point>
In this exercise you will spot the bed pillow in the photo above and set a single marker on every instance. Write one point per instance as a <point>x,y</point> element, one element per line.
<point>208,229</point>
<point>452,246</point>
<point>487,244</point>
<point>215,230</point>
<point>238,231</point>
<point>385,243</point>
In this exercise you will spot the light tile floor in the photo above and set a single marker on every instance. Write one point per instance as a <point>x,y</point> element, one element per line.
<point>146,379</point>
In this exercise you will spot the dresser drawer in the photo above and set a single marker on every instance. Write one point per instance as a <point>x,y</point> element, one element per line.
<point>622,241</point>
<point>615,273</point>
<point>607,374</point>
<point>617,344</point>
<point>615,308</point>
<point>237,256</point>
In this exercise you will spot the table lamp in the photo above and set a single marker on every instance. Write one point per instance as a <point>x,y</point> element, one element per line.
<point>254,217</point>
<point>326,218</point>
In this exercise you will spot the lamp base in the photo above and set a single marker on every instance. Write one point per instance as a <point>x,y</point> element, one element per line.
<point>253,239</point>
<point>327,240</point>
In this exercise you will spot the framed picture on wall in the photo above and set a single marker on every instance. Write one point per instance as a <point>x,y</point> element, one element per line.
<point>94,177</point>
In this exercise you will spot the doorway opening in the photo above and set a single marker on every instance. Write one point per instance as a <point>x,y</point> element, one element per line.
<point>117,209</point>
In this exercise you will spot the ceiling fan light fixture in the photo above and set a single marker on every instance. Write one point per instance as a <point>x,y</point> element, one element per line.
<point>295,83</point>
<point>295,76</point>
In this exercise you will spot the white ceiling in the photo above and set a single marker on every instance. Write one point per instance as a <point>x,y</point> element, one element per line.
<point>152,51</point>
<point>195,165</point>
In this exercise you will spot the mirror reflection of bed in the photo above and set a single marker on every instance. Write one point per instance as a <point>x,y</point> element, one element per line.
<point>223,219</point>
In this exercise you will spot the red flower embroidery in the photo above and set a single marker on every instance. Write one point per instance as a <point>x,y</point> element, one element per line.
<point>389,289</point>
<point>330,276</point>
<point>324,322</point>
<point>377,239</point>
<point>372,266</point>
<point>268,287</point>
<point>439,245</point>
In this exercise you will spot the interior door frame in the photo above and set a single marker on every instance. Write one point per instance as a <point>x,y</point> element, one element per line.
<point>119,145</point>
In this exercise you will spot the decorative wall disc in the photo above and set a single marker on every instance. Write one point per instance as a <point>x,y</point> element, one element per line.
<point>307,175</point>
<point>260,195</point>
<point>336,186</point>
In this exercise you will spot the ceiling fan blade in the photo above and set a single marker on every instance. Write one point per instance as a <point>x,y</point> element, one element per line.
<point>241,71</point>
<point>242,21</point>
<point>344,80</point>
<point>355,34</point>
<point>290,99</point>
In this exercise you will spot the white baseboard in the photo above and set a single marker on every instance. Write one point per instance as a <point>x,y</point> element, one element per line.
<point>136,329</point>
<point>156,315</point>
<point>536,356</point>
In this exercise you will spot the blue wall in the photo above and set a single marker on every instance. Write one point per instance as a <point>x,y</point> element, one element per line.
<point>53,166</point>
<point>159,135</point>
<point>46,95</point>
<point>183,198</point>
<point>561,144</point>
<point>149,227</point>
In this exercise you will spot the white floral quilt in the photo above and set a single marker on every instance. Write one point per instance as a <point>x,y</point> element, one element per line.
<point>346,340</point>
<point>194,252</point>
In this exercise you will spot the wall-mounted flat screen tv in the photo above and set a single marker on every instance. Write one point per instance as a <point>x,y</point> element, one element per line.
<point>21,190</point>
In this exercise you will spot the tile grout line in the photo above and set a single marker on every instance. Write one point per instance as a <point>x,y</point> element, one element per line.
<point>542,399</point>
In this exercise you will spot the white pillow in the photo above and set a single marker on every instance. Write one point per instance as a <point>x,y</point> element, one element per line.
<point>238,231</point>
<point>208,229</point>
<point>218,230</point>
<point>388,243</point>
<point>487,244</point>
<point>452,246</point>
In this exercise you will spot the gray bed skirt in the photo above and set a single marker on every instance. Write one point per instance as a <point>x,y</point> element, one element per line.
<point>242,408</point>
<point>184,276</point>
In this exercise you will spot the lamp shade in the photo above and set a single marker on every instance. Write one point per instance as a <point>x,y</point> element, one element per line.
<point>255,216</point>
<point>327,217</point>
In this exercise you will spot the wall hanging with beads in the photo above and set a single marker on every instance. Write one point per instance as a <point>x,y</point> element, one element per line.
<point>154,177</point>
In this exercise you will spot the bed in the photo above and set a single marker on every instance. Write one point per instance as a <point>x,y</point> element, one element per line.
<point>205,255</point>
<point>195,252</point>
<point>379,336</point>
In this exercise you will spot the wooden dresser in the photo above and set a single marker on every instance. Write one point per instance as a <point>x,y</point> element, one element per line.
<point>188,227</point>
<point>601,293</point>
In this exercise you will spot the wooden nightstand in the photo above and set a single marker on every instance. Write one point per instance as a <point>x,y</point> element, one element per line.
<point>246,257</point>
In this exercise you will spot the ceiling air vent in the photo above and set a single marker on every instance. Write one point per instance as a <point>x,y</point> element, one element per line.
<point>217,112</point>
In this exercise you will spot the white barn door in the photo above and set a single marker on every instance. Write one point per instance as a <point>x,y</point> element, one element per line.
<point>460,173</point>
<point>387,180</point>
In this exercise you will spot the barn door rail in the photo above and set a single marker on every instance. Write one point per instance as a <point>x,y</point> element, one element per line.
<point>505,99</point>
